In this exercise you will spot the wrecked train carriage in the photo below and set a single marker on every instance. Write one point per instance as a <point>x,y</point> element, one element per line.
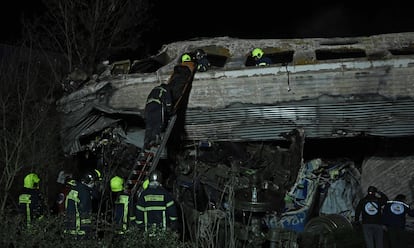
<point>335,87</point>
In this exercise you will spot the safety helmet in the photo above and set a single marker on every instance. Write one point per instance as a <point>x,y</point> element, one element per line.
<point>89,178</point>
<point>145,184</point>
<point>199,53</point>
<point>155,176</point>
<point>257,53</point>
<point>98,175</point>
<point>117,184</point>
<point>185,57</point>
<point>31,181</point>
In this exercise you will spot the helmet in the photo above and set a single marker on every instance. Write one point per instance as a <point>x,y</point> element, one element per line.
<point>117,184</point>
<point>185,57</point>
<point>199,53</point>
<point>372,189</point>
<point>98,175</point>
<point>31,181</point>
<point>257,53</point>
<point>155,176</point>
<point>89,178</point>
<point>145,184</point>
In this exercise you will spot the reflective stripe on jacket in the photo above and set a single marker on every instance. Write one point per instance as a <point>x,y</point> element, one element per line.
<point>121,213</point>
<point>31,205</point>
<point>78,204</point>
<point>156,206</point>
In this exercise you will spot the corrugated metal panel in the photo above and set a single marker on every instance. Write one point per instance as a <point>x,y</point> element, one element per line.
<point>321,120</point>
<point>390,175</point>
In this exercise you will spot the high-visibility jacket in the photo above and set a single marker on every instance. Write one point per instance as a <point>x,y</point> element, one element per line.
<point>78,204</point>
<point>156,207</point>
<point>31,205</point>
<point>122,213</point>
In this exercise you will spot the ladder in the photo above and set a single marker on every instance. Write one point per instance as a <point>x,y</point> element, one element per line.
<point>147,161</point>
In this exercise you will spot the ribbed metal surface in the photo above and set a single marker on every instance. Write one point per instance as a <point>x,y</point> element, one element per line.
<point>389,174</point>
<point>326,120</point>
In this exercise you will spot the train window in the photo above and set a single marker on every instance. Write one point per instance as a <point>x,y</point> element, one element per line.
<point>342,53</point>
<point>280,57</point>
<point>150,64</point>
<point>402,51</point>
<point>216,55</point>
<point>217,60</point>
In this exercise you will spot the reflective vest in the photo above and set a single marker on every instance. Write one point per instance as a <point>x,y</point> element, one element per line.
<point>24,199</point>
<point>78,215</point>
<point>155,207</point>
<point>31,205</point>
<point>122,215</point>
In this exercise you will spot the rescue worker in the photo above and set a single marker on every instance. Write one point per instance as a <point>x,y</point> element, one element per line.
<point>155,206</point>
<point>181,78</point>
<point>202,62</point>
<point>63,181</point>
<point>180,84</point>
<point>371,209</point>
<point>157,113</point>
<point>97,190</point>
<point>78,205</point>
<point>394,218</point>
<point>31,202</point>
<point>121,206</point>
<point>164,99</point>
<point>259,58</point>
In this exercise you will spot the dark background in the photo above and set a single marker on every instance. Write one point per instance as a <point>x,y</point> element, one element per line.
<point>280,19</point>
<point>184,19</point>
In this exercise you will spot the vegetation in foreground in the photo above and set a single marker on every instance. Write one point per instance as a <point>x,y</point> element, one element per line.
<point>49,232</point>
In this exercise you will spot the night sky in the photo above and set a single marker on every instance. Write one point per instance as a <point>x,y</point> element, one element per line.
<point>181,20</point>
<point>282,19</point>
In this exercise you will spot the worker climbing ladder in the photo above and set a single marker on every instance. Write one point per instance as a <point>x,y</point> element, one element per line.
<point>147,162</point>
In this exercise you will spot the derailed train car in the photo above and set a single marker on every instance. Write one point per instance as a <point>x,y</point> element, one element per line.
<point>328,88</point>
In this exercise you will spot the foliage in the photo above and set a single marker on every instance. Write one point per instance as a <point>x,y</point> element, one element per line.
<point>29,124</point>
<point>49,232</point>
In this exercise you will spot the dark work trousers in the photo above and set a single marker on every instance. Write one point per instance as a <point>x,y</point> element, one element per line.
<point>373,235</point>
<point>397,237</point>
<point>154,122</point>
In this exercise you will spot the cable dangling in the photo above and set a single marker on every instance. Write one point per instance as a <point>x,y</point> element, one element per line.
<point>288,77</point>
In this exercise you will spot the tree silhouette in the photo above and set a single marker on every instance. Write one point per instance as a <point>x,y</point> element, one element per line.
<point>87,32</point>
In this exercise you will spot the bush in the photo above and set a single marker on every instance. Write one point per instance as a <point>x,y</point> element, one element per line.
<point>49,232</point>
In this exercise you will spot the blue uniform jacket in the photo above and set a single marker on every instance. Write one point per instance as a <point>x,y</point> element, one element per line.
<point>394,214</point>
